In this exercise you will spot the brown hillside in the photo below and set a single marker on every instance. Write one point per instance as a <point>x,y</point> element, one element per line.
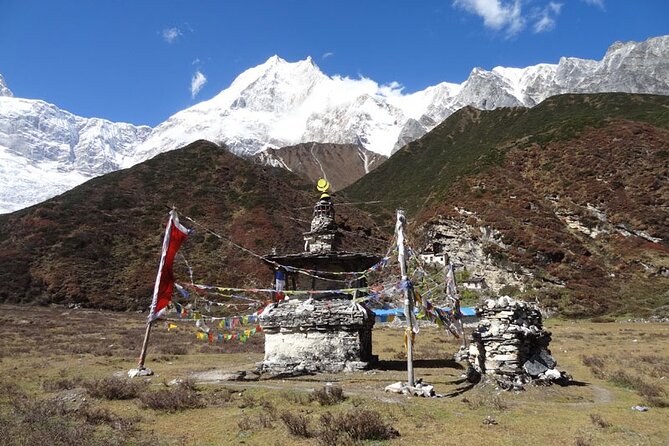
<point>340,164</point>
<point>99,244</point>
<point>590,213</point>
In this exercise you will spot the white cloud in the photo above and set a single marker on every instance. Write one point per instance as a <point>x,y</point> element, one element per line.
<point>545,20</point>
<point>497,14</point>
<point>196,83</point>
<point>326,55</point>
<point>171,34</point>
<point>599,3</point>
<point>392,89</point>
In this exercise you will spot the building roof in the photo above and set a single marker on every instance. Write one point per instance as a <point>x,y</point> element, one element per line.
<point>325,261</point>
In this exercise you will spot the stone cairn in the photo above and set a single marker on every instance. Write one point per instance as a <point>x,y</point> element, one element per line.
<point>510,347</point>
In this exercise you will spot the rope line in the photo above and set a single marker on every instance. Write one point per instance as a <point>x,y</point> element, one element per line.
<point>357,275</point>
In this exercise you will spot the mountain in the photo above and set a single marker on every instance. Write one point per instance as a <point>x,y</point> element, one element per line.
<point>4,89</point>
<point>566,202</point>
<point>45,151</point>
<point>98,245</point>
<point>340,164</point>
<point>279,104</point>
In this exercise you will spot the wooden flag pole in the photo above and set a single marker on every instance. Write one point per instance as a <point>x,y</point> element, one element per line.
<point>145,344</point>
<point>448,266</point>
<point>408,295</point>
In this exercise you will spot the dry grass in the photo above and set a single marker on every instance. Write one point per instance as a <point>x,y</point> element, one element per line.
<point>641,375</point>
<point>598,421</point>
<point>297,424</point>
<point>328,395</point>
<point>354,426</point>
<point>31,421</point>
<point>489,400</point>
<point>115,388</point>
<point>179,398</point>
<point>46,368</point>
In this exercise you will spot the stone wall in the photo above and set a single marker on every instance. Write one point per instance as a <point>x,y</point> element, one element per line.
<point>510,345</point>
<point>327,335</point>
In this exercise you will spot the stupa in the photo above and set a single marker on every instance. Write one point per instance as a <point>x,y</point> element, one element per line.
<point>327,329</point>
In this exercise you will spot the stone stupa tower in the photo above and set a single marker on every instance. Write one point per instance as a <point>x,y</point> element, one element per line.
<point>325,331</point>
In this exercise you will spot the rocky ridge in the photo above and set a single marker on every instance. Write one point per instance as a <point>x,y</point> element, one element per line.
<point>340,164</point>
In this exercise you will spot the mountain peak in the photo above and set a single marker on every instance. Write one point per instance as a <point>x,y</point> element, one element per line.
<point>274,60</point>
<point>4,89</point>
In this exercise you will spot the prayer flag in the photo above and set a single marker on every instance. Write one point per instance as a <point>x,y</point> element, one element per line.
<point>451,286</point>
<point>175,234</point>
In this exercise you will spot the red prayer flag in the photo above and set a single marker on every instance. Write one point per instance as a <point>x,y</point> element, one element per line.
<point>175,234</point>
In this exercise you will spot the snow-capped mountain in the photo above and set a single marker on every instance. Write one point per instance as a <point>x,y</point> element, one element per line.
<point>4,89</point>
<point>630,67</point>
<point>45,150</point>
<point>279,103</point>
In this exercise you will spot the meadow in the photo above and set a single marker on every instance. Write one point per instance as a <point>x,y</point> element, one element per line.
<point>64,383</point>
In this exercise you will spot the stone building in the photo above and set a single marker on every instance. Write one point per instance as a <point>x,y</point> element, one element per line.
<point>475,284</point>
<point>324,331</point>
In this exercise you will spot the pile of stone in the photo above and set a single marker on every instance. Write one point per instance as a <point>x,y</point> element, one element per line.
<point>316,335</point>
<point>419,389</point>
<point>510,347</point>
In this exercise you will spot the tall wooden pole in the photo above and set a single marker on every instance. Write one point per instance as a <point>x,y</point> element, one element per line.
<point>448,266</point>
<point>408,294</point>
<point>145,344</point>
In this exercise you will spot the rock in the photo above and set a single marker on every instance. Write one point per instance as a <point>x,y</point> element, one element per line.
<point>534,367</point>
<point>215,376</point>
<point>251,376</point>
<point>132,373</point>
<point>72,399</point>
<point>640,408</point>
<point>552,374</point>
<point>420,389</point>
<point>427,391</point>
<point>489,421</point>
<point>395,387</point>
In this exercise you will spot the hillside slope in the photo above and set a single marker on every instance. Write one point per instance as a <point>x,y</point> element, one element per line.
<point>99,244</point>
<point>566,202</point>
<point>340,164</point>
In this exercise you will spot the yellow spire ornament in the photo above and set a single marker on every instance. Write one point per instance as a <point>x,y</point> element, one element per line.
<point>323,186</point>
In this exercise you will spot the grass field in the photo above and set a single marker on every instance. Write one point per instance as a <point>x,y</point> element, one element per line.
<point>62,384</point>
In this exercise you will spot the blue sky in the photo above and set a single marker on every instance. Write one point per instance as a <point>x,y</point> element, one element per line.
<point>136,61</point>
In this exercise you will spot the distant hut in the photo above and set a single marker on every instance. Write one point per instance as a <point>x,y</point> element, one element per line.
<point>434,254</point>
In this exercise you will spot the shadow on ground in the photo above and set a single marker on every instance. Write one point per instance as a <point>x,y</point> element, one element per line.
<point>419,363</point>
